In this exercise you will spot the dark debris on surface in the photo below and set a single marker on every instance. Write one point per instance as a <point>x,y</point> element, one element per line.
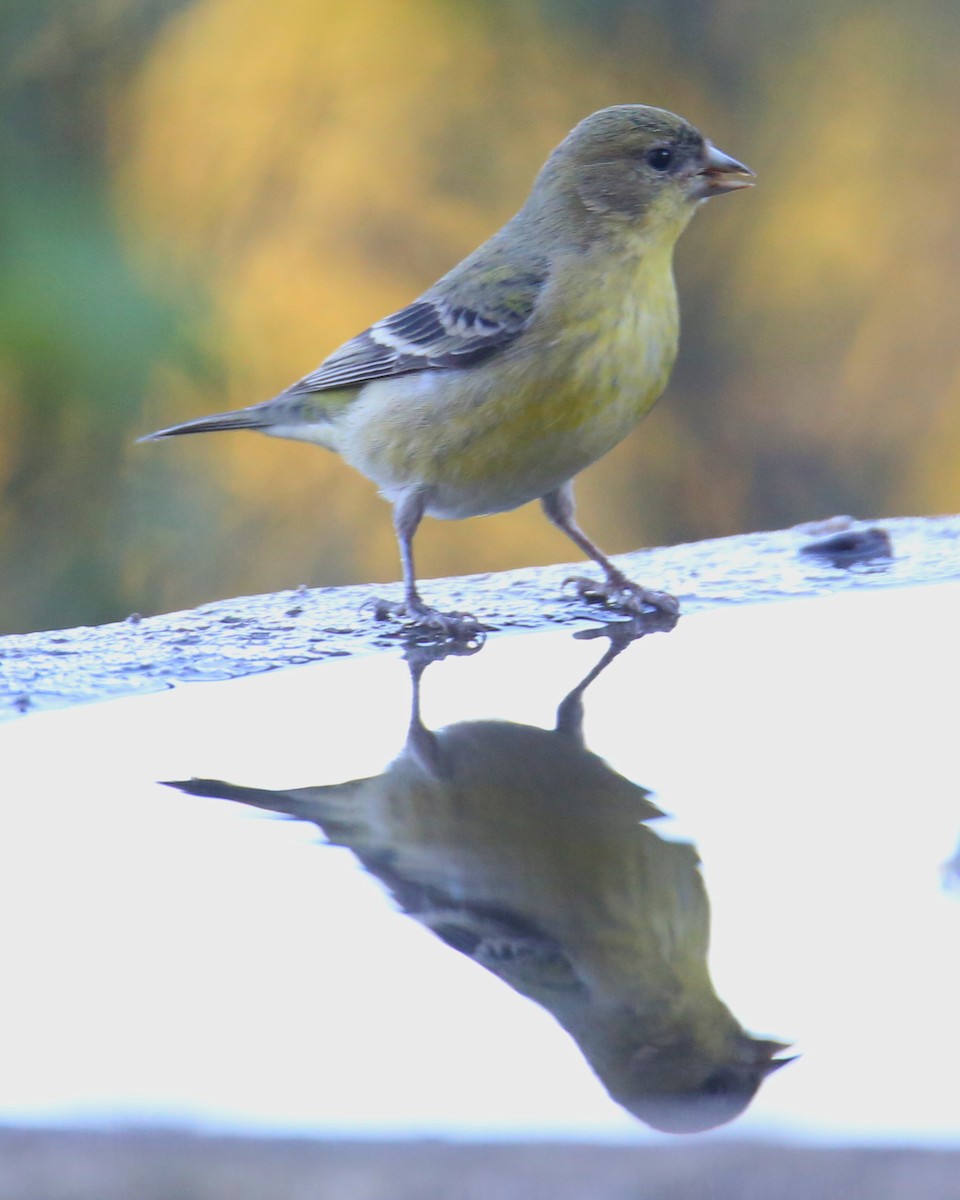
<point>849,548</point>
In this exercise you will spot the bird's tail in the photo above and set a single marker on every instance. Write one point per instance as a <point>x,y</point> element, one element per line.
<point>241,418</point>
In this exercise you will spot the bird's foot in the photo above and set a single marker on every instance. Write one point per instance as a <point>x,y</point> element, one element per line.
<point>420,624</point>
<point>622,595</point>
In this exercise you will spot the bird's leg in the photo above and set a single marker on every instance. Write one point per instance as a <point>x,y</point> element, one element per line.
<point>407,515</point>
<point>419,618</point>
<point>617,590</point>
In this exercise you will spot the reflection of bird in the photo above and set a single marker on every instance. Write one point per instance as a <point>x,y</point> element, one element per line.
<point>520,848</point>
<point>531,358</point>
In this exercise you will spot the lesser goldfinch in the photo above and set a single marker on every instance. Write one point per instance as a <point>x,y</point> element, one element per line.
<point>528,361</point>
<point>519,847</point>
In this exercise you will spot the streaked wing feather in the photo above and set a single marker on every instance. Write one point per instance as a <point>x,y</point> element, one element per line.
<point>428,334</point>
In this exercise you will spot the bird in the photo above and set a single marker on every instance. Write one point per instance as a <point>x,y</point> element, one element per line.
<point>523,850</point>
<point>529,360</point>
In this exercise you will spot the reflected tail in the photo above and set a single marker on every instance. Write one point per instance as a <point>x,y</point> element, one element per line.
<point>338,809</point>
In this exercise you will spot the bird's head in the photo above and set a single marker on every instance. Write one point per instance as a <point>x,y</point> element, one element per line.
<point>632,163</point>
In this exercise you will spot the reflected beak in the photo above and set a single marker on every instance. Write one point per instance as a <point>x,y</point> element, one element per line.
<point>766,1050</point>
<point>721,173</point>
<point>776,1063</point>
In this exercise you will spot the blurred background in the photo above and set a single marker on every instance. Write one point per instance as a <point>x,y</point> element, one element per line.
<point>200,199</point>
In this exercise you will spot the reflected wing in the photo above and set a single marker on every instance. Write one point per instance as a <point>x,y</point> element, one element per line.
<point>430,333</point>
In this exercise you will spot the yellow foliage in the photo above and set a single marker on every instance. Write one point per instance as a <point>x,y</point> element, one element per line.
<point>299,170</point>
<point>321,164</point>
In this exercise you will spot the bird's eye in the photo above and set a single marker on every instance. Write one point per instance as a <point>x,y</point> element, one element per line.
<point>660,158</point>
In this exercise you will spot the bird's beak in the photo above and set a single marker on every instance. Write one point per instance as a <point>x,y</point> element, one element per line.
<point>720,173</point>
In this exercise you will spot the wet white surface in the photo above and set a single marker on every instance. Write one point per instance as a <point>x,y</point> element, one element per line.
<point>176,959</point>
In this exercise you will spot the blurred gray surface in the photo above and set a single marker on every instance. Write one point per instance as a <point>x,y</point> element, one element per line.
<point>75,1165</point>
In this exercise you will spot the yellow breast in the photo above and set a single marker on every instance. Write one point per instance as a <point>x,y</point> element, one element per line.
<point>486,439</point>
<point>623,327</point>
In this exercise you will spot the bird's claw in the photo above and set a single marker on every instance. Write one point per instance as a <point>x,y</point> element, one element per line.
<point>629,598</point>
<point>419,624</point>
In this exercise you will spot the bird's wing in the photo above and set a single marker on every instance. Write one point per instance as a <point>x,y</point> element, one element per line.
<point>433,332</point>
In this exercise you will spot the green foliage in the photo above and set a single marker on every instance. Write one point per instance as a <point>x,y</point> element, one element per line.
<point>79,329</point>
